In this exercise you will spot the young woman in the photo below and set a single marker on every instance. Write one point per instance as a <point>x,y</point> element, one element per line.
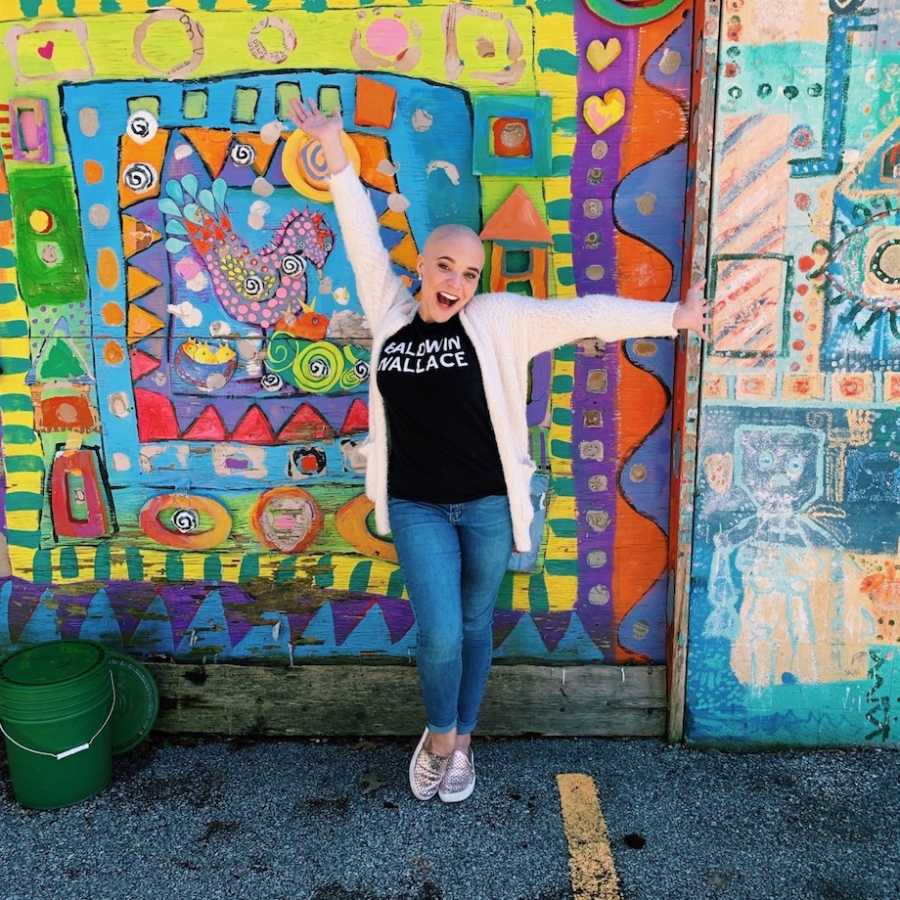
<point>448,466</point>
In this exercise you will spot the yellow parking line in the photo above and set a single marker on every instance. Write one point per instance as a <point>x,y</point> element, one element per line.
<point>591,865</point>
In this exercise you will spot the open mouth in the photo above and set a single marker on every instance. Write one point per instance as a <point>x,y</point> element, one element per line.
<point>445,300</point>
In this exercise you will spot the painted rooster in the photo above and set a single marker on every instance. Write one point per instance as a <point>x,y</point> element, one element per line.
<point>256,288</point>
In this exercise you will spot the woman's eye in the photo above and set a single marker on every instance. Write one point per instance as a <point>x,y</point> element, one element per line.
<point>471,276</point>
<point>443,267</point>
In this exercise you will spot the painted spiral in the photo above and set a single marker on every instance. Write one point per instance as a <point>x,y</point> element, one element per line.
<point>142,126</point>
<point>293,264</point>
<point>140,177</point>
<point>271,382</point>
<point>312,162</point>
<point>242,154</point>
<point>356,367</point>
<point>253,286</point>
<point>185,520</point>
<point>280,354</point>
<point>318,367</point>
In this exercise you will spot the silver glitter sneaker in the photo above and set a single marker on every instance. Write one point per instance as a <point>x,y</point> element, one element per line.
<point>459,780</point>
<point>426,771</point>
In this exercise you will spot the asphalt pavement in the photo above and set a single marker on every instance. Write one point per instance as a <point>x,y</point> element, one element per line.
<point>334,820</point>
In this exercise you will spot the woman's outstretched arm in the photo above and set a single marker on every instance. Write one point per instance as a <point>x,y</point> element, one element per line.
<point>377,284</point>
<point>547,324</point>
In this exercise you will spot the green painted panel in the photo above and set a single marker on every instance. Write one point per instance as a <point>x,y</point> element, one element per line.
<point>51,267</point>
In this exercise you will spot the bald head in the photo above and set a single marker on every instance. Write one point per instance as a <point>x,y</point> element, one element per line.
<point>461,235</point>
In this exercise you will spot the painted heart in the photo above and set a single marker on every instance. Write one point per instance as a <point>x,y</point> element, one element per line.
<point>603,112</point>
<point>46,50</point>
<point>601,55</point>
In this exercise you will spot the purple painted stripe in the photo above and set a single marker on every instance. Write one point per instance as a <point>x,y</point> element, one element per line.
<point>597,618</point>
<point>620,74</point>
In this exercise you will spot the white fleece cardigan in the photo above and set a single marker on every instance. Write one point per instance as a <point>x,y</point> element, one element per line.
<point>506,330</point>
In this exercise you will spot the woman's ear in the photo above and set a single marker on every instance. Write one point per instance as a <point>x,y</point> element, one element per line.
<point>420,265</point>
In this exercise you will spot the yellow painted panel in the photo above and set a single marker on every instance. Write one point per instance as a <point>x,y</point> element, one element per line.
<point>520,601</point>
<point>562,592</point>
<point>342,567</point>
<point>32,449</point>
<point>17,348</point>
<point>86,554</point>
<point>192,566</point>
<point>562,505</point>
<point>231,567</point>
<point>10,312</point>
<point>23,519</point>
<point>19,417</point>
<point>154,564</point>
<point>118,570</point>
<point>30,482</point>
<point>380,576</point>
<point>21,562</point>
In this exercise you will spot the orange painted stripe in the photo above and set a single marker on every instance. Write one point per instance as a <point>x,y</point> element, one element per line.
<point>655,122</point>
<point>639,545</point>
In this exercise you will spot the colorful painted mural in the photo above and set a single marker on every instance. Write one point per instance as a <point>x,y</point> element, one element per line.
<point>184,360</point>
<point>795,601</point>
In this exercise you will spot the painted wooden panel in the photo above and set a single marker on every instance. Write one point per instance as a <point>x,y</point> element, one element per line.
<point>795,600</point>
<point>180,438</point>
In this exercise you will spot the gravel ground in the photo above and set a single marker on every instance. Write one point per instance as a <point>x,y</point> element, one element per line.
<point>333,820</point>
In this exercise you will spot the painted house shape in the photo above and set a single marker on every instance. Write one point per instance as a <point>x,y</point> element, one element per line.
<point>521,242</point>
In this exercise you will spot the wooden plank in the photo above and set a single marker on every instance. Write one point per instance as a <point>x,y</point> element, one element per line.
<point>689,361</point>
<point>353,699</point>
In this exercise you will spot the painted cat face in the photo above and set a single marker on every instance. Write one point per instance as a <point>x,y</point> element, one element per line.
<point>781,468</point>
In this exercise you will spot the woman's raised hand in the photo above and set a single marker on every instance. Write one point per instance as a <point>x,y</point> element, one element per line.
<point>327,129</point>
<point>307,116</point>
<point>693,313</point>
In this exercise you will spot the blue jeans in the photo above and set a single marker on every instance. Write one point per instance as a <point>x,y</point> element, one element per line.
<point>454,557</point>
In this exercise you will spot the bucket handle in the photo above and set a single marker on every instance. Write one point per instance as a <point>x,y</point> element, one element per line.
<point>74,750</point>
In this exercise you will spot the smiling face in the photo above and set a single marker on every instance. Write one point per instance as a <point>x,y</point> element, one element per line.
<point>449,267</point>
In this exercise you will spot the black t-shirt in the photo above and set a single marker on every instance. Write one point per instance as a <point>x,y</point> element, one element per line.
<point>441,445</point>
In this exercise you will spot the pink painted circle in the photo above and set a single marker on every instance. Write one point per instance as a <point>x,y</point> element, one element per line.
<point>387,37</point>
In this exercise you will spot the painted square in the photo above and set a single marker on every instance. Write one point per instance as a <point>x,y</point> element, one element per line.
<point>750,316</point>
<point>285,94</point>
<point>245,103</point>
<point>39,52</point>
<point>195,104</point>
<point>330,99</point>
<point>144,104</point>
<point>375,103</point>
<point>50,253</point>
<point>511,137</point>
<point>517,262</point>
<point>29,132</point>
<point>505,128</point>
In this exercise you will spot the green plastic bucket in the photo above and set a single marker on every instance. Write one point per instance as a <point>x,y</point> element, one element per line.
<point>56,702</point>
